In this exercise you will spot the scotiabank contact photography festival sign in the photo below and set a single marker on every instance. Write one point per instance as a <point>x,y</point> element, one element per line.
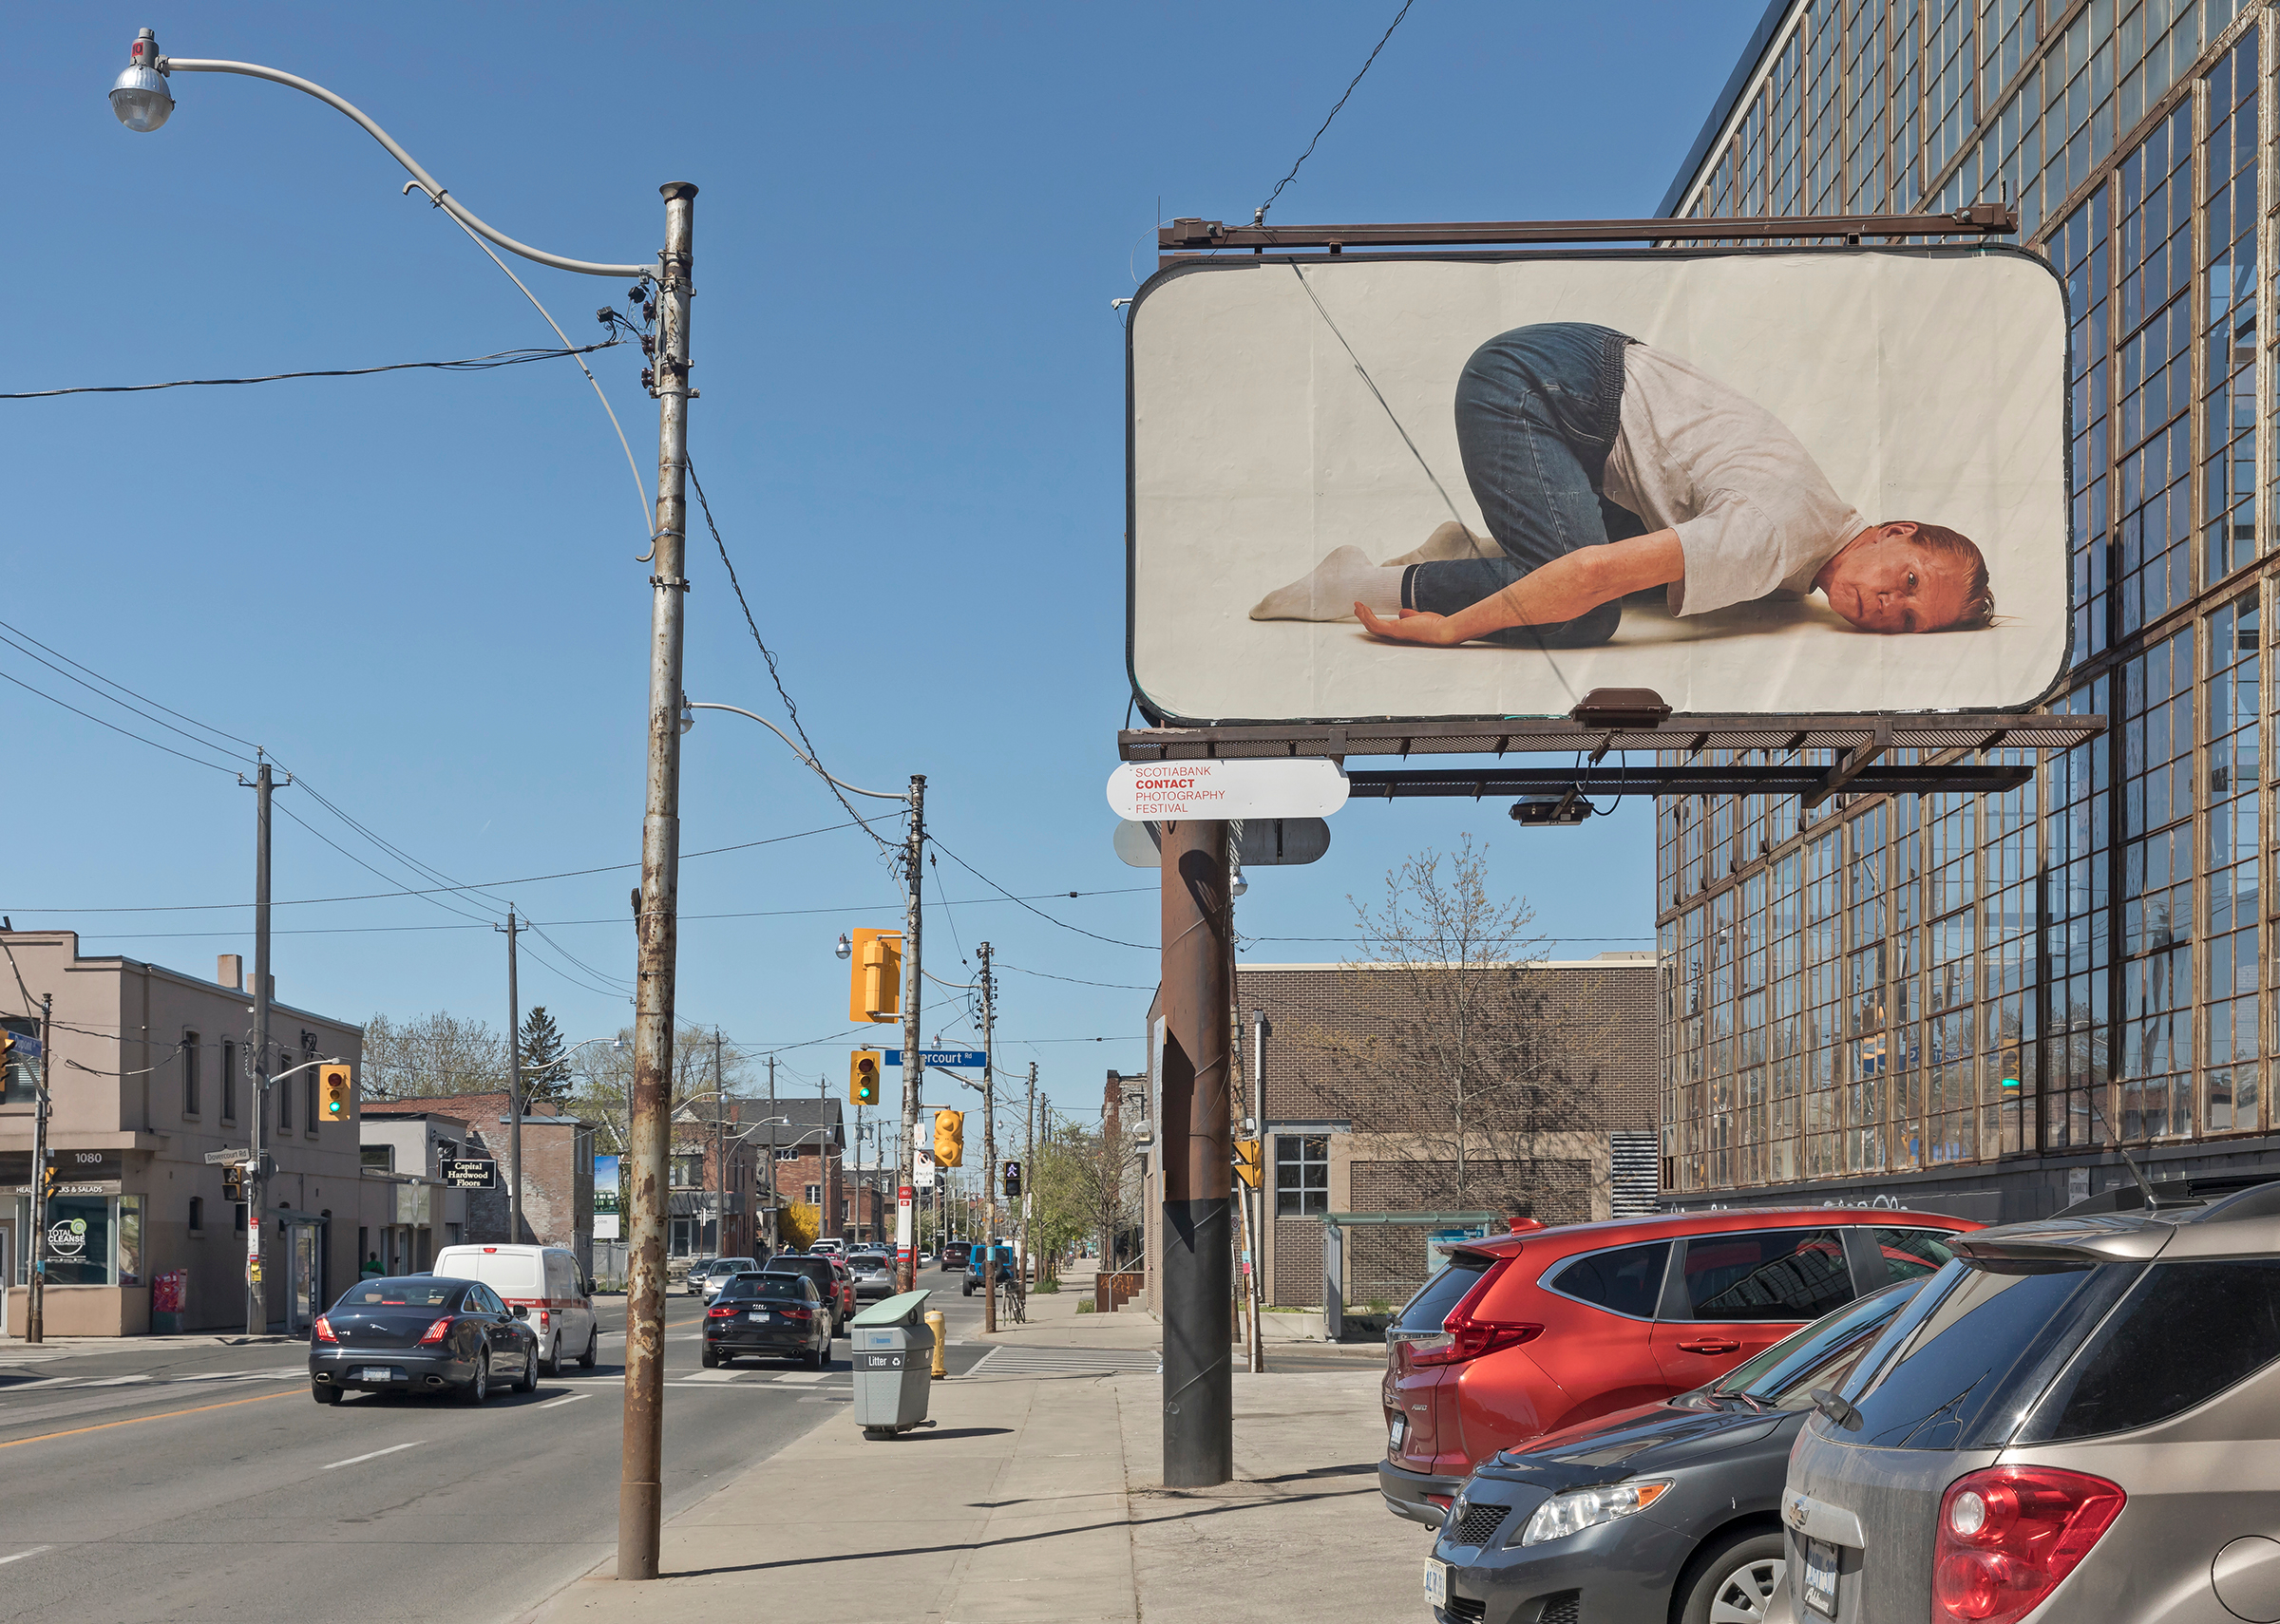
<point>1786,483</point>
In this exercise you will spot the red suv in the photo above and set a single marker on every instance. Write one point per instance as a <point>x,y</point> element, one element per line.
<point>1526,1333</point>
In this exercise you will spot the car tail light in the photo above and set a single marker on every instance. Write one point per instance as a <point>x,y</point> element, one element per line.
<point>721,1310</point>
<point>437,1332</point>
<point>2009,1534</point>
<point>324,1329</point>
<point>1467,1337</point>
<point>799,1313</point>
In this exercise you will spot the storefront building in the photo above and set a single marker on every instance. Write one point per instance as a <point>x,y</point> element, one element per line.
<point>149,1071</point>
<point>1967,1002</point>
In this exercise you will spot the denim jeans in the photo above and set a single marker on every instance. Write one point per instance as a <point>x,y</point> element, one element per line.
<point>1537,410</point>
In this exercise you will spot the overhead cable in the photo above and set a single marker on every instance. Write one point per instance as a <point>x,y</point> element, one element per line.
<point>471,364</point>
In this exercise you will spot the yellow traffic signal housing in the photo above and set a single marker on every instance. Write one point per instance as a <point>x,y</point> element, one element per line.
<point>336,1084</point>
<point>1247,1162</point>
<point>875,976</point>
<point>233,1181</point>
<point>862,1077</point>
<point>949,1138</point>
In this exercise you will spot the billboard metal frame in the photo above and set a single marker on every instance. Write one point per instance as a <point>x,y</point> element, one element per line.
<point>1945,740</point>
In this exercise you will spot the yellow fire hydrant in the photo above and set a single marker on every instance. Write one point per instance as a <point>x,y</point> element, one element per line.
<point>936,1323</point>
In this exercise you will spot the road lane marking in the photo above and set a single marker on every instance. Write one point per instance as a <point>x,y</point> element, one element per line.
<point>139,1420</point>
<point>391,1449</point>
<point>566,1398</point>
<point>21,1555</point>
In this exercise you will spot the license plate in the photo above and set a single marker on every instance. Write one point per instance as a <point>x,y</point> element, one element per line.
<point>1820,1578</point>
<point>1436,1581</point>
<point>376,1374</point>
<point>756,1314</point>
<point>1395,1432</point>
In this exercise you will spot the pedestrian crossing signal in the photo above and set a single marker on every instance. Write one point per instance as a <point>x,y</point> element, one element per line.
<point>862,1077</point>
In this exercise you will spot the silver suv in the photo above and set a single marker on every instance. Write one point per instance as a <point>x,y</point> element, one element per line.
<point>2074,1420</point>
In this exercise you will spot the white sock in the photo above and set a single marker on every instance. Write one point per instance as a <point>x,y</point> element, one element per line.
<point>1450,539</point>
<point>1331,589</point>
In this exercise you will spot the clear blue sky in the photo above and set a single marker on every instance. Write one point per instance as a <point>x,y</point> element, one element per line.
<point>419,591</point>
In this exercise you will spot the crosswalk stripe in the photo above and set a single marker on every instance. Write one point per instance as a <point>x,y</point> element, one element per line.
<point>1065,1361</point>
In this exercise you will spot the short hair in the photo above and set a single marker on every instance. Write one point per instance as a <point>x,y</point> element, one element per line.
<point>1979,597</point>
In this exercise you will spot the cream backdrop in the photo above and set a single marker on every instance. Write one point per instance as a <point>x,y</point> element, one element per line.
<point>1928,384</point>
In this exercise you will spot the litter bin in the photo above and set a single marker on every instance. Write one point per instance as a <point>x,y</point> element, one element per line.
<point>893,1356</point>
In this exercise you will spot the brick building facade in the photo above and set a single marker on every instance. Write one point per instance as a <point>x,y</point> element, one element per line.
<point>1357,1115</point>
<point>557,1166</point>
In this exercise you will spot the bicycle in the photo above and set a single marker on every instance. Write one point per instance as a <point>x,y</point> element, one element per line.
<point>1016,1302</point>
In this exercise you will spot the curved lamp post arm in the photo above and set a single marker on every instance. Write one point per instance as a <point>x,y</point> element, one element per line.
<point>428,182</point>
<point>689,705</point>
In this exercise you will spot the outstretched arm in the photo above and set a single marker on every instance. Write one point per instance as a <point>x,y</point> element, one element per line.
<point>1568,586</point>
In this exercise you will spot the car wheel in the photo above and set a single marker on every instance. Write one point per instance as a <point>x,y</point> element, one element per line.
<point>818,1357</point>
<point>528,1381</point>
<point>709,1359</point>
<point>479,1387</point>
<point>965,1288</point>
<point>324,1392</point>
<point>553,1364</point>
<point>586,1360</point>
<point>1733,1582</point>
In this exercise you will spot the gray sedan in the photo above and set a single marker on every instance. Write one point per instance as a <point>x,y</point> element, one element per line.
<point>2074,1420</point>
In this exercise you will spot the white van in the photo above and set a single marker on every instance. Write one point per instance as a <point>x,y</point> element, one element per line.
<point>544,1281</point>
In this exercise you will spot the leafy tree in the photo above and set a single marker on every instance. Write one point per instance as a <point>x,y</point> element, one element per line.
<point>545,1073</point>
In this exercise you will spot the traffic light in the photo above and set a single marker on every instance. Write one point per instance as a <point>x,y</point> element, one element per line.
<point>949,1138</point>
<point>2012,1073</point>
<point>1247,1162</point>
<point>875,976</point>
<point>862,1077</point>
<point>233,1181</point>
<point>335,1081</point>
<point>1012,1179</point>
<point>48,1178</point>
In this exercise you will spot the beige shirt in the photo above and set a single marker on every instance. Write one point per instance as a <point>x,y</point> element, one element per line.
<point>1753,512</point>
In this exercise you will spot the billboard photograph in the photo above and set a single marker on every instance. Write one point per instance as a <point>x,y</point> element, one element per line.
<point>606,1214</point>
<point>1785,482</point>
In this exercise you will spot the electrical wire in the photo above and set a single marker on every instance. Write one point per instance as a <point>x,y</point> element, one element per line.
<point>114,726</point>
<point>1001,891</point>
<point>14,639</point>
<point>109,682</point>
<point>1334,112</point>
<point>1119,986</point>
<point>471,364</point>
<point>814,757</point>
<point>375,896</point>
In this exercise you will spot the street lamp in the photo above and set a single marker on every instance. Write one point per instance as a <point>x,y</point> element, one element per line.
<point>914,849</point>
<point>143,99</point>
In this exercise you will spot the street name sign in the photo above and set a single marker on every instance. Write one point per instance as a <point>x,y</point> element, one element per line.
<point>1292,786</point>
<point>942,1057</point>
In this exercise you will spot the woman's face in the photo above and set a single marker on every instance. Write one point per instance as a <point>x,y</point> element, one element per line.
<point>1889,581</point>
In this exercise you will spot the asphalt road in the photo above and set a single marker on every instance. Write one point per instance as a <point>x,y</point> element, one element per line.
<point>199,1482</point>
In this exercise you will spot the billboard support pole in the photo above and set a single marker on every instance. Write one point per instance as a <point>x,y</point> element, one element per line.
<point>1198,1004</point>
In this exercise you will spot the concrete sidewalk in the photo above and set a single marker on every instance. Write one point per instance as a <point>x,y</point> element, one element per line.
<point>1036,1499</point>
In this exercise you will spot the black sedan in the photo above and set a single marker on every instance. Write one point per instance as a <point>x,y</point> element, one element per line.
<point>421,1333</point>
<point>770,1314</point>
<point>1664,1511</point>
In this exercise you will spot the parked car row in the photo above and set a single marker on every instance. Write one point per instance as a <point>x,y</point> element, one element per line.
<point>2051,1420</point>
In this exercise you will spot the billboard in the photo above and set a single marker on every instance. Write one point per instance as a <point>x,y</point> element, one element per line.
<point>605,1198</point>
<point>1786,482</point>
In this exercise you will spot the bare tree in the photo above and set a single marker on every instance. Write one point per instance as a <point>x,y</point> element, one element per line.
<point>603,1085</point>
<point>431,1054</point>
<point>1081,1185</point>
<point>1468,1070</point>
